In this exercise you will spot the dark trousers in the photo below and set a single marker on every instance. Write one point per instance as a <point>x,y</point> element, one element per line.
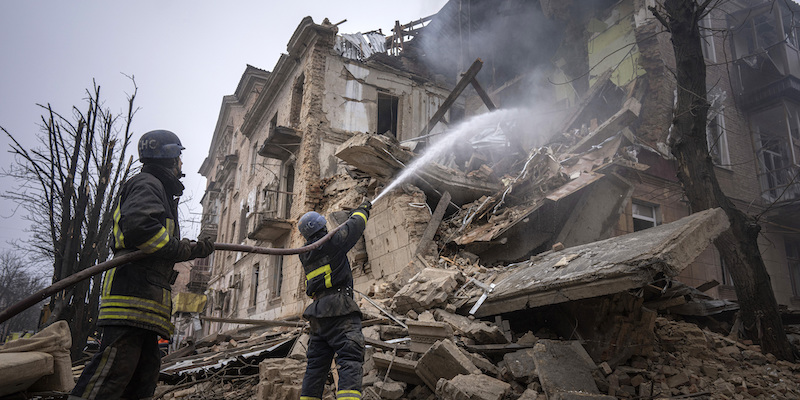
<point>334,335</point>
<point>125,367</point>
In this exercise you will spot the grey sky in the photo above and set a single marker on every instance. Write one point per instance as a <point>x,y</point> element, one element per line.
<point>185,56</point>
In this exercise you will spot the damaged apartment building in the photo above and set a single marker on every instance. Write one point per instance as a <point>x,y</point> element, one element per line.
<point>559,179</point>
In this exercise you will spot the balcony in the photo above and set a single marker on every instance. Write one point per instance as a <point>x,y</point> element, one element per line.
<point>281,144</point>
<point>272,221</point>
<point>265,226</point>
<point>199,277</point>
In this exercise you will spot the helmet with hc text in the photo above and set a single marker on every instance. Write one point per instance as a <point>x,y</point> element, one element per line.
<point>159,144</point>
<point>311,223</point>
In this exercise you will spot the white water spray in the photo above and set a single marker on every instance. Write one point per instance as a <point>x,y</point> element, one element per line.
<point>462,132</point>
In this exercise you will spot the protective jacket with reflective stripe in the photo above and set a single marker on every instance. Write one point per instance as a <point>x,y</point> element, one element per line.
<point>138,293</point>
<point>327,267</point>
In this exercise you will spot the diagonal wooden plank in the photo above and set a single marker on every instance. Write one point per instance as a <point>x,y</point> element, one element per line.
<point>433,224</point>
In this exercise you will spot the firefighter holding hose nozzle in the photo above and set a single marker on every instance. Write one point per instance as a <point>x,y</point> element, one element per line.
<point>334,316</point>
<point>135,299</point>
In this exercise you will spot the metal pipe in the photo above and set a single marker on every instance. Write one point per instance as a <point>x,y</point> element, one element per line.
<point>73,279</point>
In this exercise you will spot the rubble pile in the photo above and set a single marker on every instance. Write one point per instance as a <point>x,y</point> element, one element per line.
<point>421,346</point>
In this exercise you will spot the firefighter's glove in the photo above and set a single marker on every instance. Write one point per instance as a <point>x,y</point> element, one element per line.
<point>183,252</point>
<point>203,248</point>
<point>363,208</point>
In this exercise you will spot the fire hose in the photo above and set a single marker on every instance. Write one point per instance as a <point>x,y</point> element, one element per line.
<point>137,255</point>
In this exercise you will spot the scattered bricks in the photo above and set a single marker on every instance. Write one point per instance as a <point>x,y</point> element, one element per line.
<point>443,360</point>
<point>754,357</point>
<point>480,331</point>
<point>558,246</point>
<point>637,380</point>
<point>580,396</point>
<point>521,364</point>
<point>482,363</point>
<point>472,387</point>
<point>605,368</point>
<point>646,390</point>
<point>430,288</point>
<point>710,371</point>
<point>390,389</point>
<point>424,334</point>
<point>529,394</point>
<point>420,392</point>
<point>677,380</point>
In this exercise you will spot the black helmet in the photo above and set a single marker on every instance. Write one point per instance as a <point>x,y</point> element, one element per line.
<point>159,144</point>
<point>310,223</point>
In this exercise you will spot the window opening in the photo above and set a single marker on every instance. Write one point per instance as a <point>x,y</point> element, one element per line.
<point>254,285</point>
<point>387,114</point>
<point>707,38</point>
<point>644,216</point>
<point>277,276</point>
<point>288,189</point>
<point>297,101</point>
<point>717,140</point>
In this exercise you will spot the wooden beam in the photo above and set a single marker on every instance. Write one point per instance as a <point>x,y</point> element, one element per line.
<point>433,224</point>
<point>483,95</point>
<point>708,285</point>
<point>460,86</point>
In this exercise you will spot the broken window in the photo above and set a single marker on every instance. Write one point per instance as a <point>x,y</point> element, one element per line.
<point>277,275</point>
<point>717,140</point>
<point>777,139</point>
<point>254,286</point>
<point>297,101</point>
<point>793,260</point>
<point>645,216</point>
<point>387,114</point>
<point>253,160</point>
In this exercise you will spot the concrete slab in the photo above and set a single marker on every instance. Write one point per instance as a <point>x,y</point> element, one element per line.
<point>18,371</point>
<point>606,267</point>
<point>378,155</point>
<point>564,366</point>
<point>443,360</point>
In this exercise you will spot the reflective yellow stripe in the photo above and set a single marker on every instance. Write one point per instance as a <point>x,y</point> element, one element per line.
<point>118,236</point>
<point>362,215</point>
<point>348,395</point>
<point>107,281</point>
<point>135,302</point>
<point>170,226</point>
<point>132,315</point>
<point>325,269</point>
<point>156,242</point>
<point>309,398</point>
<point>101,372</point>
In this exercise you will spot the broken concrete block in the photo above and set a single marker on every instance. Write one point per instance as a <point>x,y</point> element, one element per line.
<point>390,389</point>
<point>564,367</point>
<point>430,288</point>
<point>521,365</point>
<point>403,370</point>
<point>18,371</point>
<point>425,334</point>
<point>443,360</point>
<point>472,387</point>
<point>480,331</point>
<point>529,394</point>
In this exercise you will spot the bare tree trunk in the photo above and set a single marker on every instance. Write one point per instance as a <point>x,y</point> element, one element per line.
<point>77,177</point>
<point>739,244</point>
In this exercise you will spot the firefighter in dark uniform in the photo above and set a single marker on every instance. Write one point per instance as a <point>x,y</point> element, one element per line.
<point>334,316</point>
<point>136,301</point>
